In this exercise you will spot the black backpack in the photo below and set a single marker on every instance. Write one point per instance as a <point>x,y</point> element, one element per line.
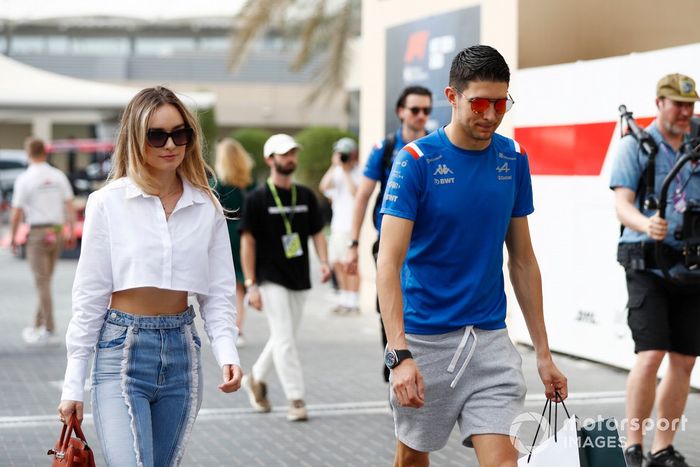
<point>387,155</point>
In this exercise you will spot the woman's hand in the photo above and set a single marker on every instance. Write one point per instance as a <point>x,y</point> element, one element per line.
<point>232,378</point>
<point>68,408</point>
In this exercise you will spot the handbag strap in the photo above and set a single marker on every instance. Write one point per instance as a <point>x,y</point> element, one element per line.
<point>73,426</point>
<point>63,436</point>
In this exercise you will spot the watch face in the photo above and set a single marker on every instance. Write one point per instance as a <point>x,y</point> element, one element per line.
<point>390,359</point>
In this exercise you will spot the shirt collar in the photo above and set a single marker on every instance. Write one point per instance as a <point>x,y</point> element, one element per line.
<point>190,195</point>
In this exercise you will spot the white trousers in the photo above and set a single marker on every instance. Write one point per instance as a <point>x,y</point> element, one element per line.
<point>283,308</point>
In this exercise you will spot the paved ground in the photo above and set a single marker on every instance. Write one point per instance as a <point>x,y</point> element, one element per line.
<point>350,421</point>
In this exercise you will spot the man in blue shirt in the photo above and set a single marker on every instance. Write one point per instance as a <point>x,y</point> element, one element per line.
<point>663,316</point>
<point>453,199</point>
<point>413,109</point>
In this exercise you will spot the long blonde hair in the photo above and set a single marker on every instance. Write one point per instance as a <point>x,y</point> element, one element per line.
<point>130,150</point>
<point>233,163</point>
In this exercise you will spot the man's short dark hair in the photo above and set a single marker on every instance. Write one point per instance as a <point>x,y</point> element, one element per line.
<point>420,90</point>
<point>478,63</point>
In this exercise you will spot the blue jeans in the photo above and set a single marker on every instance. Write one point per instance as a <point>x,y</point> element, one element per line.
<point>146,387</point>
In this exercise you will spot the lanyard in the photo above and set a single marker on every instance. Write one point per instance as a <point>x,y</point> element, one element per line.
<point>672,160</point>
<point>278,202</point>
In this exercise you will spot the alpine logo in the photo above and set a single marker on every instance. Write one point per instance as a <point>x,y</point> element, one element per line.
<point>502,171</point>
<point>442,169</point>
<point>503,168</point>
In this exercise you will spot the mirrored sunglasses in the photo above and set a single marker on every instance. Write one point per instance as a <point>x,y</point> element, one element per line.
<point>481,104</point>
<point>158,138</point>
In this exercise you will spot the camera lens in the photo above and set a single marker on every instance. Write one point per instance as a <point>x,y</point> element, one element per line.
<point>344,157</point>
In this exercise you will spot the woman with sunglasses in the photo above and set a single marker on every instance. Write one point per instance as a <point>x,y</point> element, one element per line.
<point>152,236</point>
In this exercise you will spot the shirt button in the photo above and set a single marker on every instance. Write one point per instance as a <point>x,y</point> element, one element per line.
<point>113,315</point>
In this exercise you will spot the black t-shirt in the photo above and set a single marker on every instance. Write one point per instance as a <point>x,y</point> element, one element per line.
<point>261,217</point>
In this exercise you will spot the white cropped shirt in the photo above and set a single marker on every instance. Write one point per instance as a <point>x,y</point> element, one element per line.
<point>128,242</point>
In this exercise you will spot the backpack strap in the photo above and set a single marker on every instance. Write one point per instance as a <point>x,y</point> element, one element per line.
<point>388,153</point>
<point>387,159</point>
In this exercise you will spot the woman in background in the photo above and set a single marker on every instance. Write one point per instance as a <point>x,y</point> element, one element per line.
<point>234,179</point>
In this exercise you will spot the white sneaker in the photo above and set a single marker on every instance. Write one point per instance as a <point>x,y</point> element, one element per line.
<point>31,334</point>
<point>42,337</point>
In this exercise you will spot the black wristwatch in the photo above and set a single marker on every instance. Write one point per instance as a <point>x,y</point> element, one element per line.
<point>353,243</point>
<point>393,357</point>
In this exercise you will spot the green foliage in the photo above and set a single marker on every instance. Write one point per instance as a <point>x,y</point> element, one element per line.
<point>253,140</point>
<point>317,149</point>
<point>207,121</point>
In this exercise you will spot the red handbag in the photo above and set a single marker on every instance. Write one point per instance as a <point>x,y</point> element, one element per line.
<point>71,451</point>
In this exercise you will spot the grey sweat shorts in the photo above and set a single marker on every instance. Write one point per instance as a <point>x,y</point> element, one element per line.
<point>472,377</point>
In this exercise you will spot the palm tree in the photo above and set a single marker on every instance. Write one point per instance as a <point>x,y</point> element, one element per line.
<point>321,26</point>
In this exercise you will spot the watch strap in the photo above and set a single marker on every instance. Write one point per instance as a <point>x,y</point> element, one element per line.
<point>402,355</point>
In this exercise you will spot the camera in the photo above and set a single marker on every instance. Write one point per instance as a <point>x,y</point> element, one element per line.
<point>344,157</point>
<point>690,234</point>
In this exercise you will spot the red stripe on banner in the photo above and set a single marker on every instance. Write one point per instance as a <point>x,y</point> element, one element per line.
<point>412,152</point>
<point>566,149</point>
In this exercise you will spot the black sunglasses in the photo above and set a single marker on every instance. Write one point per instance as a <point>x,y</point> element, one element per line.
<point>157,138</point>
<point>415,110</point>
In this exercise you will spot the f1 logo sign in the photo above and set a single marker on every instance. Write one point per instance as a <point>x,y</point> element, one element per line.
<point>419,42</point>
<point>416,46</point>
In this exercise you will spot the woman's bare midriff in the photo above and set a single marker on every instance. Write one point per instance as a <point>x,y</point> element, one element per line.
<point>149,301</point>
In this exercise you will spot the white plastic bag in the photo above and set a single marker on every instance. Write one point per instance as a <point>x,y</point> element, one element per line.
<point>560,453</point>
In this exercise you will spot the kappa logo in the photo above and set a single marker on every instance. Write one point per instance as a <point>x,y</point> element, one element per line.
<point>442,169</point>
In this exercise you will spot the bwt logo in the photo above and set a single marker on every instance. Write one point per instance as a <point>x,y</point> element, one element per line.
<point>419,47</point>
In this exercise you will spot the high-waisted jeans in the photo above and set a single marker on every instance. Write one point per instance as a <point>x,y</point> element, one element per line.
<point>146,387</point>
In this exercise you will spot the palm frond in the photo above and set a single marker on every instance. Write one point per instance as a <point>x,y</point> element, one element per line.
<point>332,75</point>
<point>254,17</point>
<point>308,34</point>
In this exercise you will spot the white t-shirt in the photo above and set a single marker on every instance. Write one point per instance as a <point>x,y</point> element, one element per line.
<point>41,192</point>
<point>342,199</point>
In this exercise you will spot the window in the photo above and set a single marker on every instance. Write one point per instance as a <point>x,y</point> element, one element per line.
<point>100,46</point>
<point>163,45</point>
<point>22,45</point>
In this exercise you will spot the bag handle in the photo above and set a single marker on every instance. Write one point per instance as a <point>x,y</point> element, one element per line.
<point>73,426</point>
<point>548,404</point>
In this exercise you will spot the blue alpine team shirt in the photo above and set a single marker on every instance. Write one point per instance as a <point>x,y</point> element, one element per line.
<point>461,203</point>
<point>375,169</point>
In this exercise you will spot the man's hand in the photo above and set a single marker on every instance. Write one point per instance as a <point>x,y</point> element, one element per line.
<point>553,379</point>
<point>67,408</point>
<point>407,384</point>
<point>254,297</point>
<point>350,263</point>
<point>70,242</point>
<point>325,272</point>
<point>657,227</point>
<point>232,375</point>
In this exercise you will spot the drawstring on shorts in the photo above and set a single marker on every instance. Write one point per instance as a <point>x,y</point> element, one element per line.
<point>469,330</point>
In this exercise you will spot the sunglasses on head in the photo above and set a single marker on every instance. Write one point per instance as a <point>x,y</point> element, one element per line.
<point>416,110</point>
<point>482,104</point>
<point>157,138</point>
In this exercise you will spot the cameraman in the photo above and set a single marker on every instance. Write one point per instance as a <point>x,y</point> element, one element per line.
<point>664,317</point>
<point>339,185</point>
